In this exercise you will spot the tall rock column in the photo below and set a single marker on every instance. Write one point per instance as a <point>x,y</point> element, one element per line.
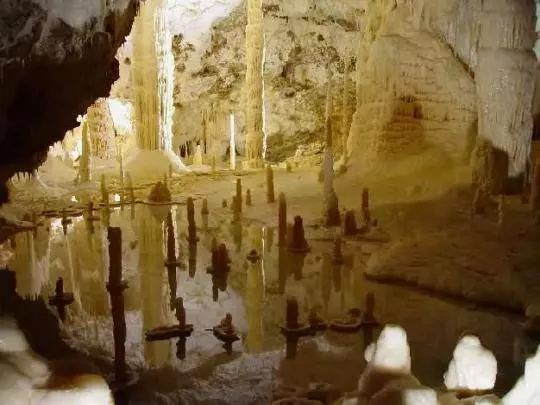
<point>152,77</point>
<point>505,78</point>
<point>346,110</point>
<point>255,136</point>
<point>86,155</point>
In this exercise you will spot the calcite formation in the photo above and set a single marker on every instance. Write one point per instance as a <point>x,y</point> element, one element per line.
<point>255,137</point>
<point>152,78</point>
<point>426,69</point>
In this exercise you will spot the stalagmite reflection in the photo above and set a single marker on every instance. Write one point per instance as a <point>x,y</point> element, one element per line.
<point>23,264</point>
<point>255,292</point>
<point>151,272</point>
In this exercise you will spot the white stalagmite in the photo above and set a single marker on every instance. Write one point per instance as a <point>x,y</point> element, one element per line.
<point>328,162</point>
<point>197,157</point>
<point>255,136</point>
<point>346,110</point>
<point>505,78</point>
<point>152,76</point>
<point>527,390</point>
<point>232,142</point>
<point>473,367</point>
<point>86,155</point>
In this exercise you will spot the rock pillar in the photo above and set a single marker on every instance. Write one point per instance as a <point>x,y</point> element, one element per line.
<point>152,77</point>
<point>255,136</point>
<point>86,155</point>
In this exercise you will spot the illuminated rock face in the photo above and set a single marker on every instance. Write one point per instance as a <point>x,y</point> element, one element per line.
<point>424,70</point>
<point>472,368</point>
<point>413,95</point>
<point>26,377</point>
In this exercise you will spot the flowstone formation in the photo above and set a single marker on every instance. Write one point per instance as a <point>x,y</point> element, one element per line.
<point>152,78</point>
<point>423,78</point>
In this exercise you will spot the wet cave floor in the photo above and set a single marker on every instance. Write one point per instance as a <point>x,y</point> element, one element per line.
<point>255,298</point>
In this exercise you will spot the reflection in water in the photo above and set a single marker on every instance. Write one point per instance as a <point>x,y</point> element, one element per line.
<point>296,264</point>
<point>151,255</point>
<point>283,268</point>
<point>268,238</point>
<point>326,282</point>
<point>236,233</point>
<point>192,261</point>
<point>151,292</point>
<point>254,303</point>
<point>23,263</point>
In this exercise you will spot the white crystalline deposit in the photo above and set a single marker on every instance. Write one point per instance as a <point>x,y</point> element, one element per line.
<point>527,389</point>
<point>24,373</point>
<point>388,374</point>
<point>391,351</point>
<point>473,367</point>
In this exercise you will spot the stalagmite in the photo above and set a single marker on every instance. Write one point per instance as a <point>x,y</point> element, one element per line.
<point>328,161</point>
<point>197,157</point>
<point>86,155</point>
<point>270,194</point>
<point>248,198</point>
<point>505,76</point>
<point>473,368</point>
<point>236,209</point>
<point>152,71</point>
<point>349,224</point>
<point>116,287</point>
<point>104,192</point>
<point>282,221</point>
<point>204,207</point>
<point>232,142</point>
<point>192,228</point>
<point>333,216</point>
<point>254,86</point>
<point>346,111</point>
<point>255,291</point>
<point>366,213</point>
<point>238,195</point>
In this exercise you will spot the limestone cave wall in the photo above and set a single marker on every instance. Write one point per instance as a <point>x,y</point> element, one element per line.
<point>301,38</point>
<point>56,59</point>
<point>432,75</point>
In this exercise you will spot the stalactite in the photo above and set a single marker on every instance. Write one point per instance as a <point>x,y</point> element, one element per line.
<point>255,137</point>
